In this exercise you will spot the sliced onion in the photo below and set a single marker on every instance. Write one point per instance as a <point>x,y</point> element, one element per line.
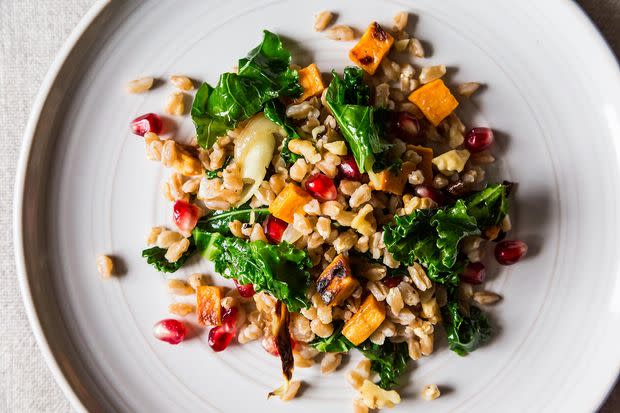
<point>253,152</point>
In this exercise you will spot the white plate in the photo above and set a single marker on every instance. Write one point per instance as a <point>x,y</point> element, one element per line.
<point>84,187</point>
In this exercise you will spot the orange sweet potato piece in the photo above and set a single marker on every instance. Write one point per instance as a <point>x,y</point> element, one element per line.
<point>209,305</point>
<point>311,81</point>
<point>394,183</point>
<point>434,100</point>
<point>363,323</point>
<point>336,283</point>
<point>374,44</point>
<point>288,202</point>
<point>426,166</point>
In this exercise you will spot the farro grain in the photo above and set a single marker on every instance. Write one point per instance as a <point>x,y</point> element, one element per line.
<point>378,290</point>
<point>329,164</point>
<point>196,280</point>
<point>324,313</point>
<point>153,150</point>
<point>430,310</point>
<point>359,406</point>
<point>467,89</point>
<point>301,328</point>
<point>105,266</point>
<point>440,181</point>
<point>180,309</point>
<point>169,153</point>
<point>249,333</point>
<point>306,351</point>
<point>362,244</point>
<point>416,48</point>
<point>166,238</point>
<point>302,362</point>
<point>401,45</point>
<point>322,20</point>
<point>419,277</point>
<point>395,300</point>
<point>331,208</point>
<point>175,104</point>
<point>153,234</point>
<point>303,224</point>
<point>182,82</point>
<point>320,329</point>
<point>400,21</point>
<point>217,205</point>
<point>361,195</point>
<point>388,259</point>
<point>482,158</point>
<point>382,95</point>
<point>430,392</point>
<point>139,85</point>
<point>345,241</point>
<point>191,186</point>
<point>257,233</point>
<point>430,73</point>
<point>375,397</point>
<point>486,297</point>
<point>299,170</point>
<point>413,347</point>
<point>416,177</point>
<point>336,147</point>
<point>179,287</point>
<point>426,344</point>
<point>310,313</point>
<point>330,362</point>
<point>341,32</point>
<point>176,250</point>
<point>323,227</point>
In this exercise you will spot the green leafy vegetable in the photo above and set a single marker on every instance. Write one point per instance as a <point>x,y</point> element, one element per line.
<point>218,220</point>
<point>276,112</point>
<point>262,76</point>
<point>278,269</point>
<point>432,236</point>
<point>155,256</point>
<point>361,124</point>
<point>465,332</point>
<point>336,343</point>
<point>388,360</point>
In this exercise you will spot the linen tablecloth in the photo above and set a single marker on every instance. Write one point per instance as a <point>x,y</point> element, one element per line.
<point>31,33</point>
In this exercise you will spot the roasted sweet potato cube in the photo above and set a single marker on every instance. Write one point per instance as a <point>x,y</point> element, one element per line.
<point>372,47</point>
<point>336,283</point>
<point>434,100</point>
<point>288,202</point>
<point>209,305</point>
<point>311,81</point>
<point>426,166</point>
<point>394,183</point>
<point>363,323</point>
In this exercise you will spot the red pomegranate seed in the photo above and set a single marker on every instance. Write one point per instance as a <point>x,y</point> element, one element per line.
<point>219,338</point>
<point>509,252</point>
<point>146,123</point>
<point>185,215</point>
<point>348,168</point>
<point>474,273</point>
<point>170,330</point>
<point>408,126</point>
<point>425,191</point>
<point>229,320</point>
<point>321,187</point>
<point>269,344</point>
<point>391,282</point>
<point>274,228</point>
<point>479,139</point>
<point>245,290</point>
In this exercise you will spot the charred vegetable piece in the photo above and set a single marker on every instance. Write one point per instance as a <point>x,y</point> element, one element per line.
<point>209,305</point>
<point>336,283</point>
<point>311,82</point>
<point>372,47</point>
<point>393,181</point>
<point>434,100</point>
<point>426,165</point>
<point>280,330</point>
<point>363,323</point>
<point>288,202</point>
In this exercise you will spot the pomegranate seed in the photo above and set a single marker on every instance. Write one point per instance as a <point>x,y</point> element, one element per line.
<point>391,282</point>
<point>479,139</point>
<point>425,191</point>
<point>245,290</point>
<point>509,252</point>
<point>219,338</point>
<point>185,215</point>
<point>408,126</point>
<point>348,168</point>
<point>229,320</point>
<point>170,330</point>
<point>146,123</point>
<point>321,187</point>
<point>474,273</point>
<point>269,344</point>
<point>274,228</point>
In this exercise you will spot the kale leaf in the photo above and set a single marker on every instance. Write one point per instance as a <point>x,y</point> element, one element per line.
<point>432,236</point>
<point>276,112</point>
<point>155,256</point>
<point>218,220</point>
<point>389,360</point>
<point>278,269</point>
<point>465,332</point>
<point>361,125</point>
<point>262,76</point>
<point>336,343</point>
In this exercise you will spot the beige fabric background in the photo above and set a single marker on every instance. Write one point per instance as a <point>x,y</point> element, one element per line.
<point>31,33</point>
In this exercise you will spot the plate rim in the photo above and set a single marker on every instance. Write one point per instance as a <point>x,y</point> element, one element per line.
<point>50,79</point>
